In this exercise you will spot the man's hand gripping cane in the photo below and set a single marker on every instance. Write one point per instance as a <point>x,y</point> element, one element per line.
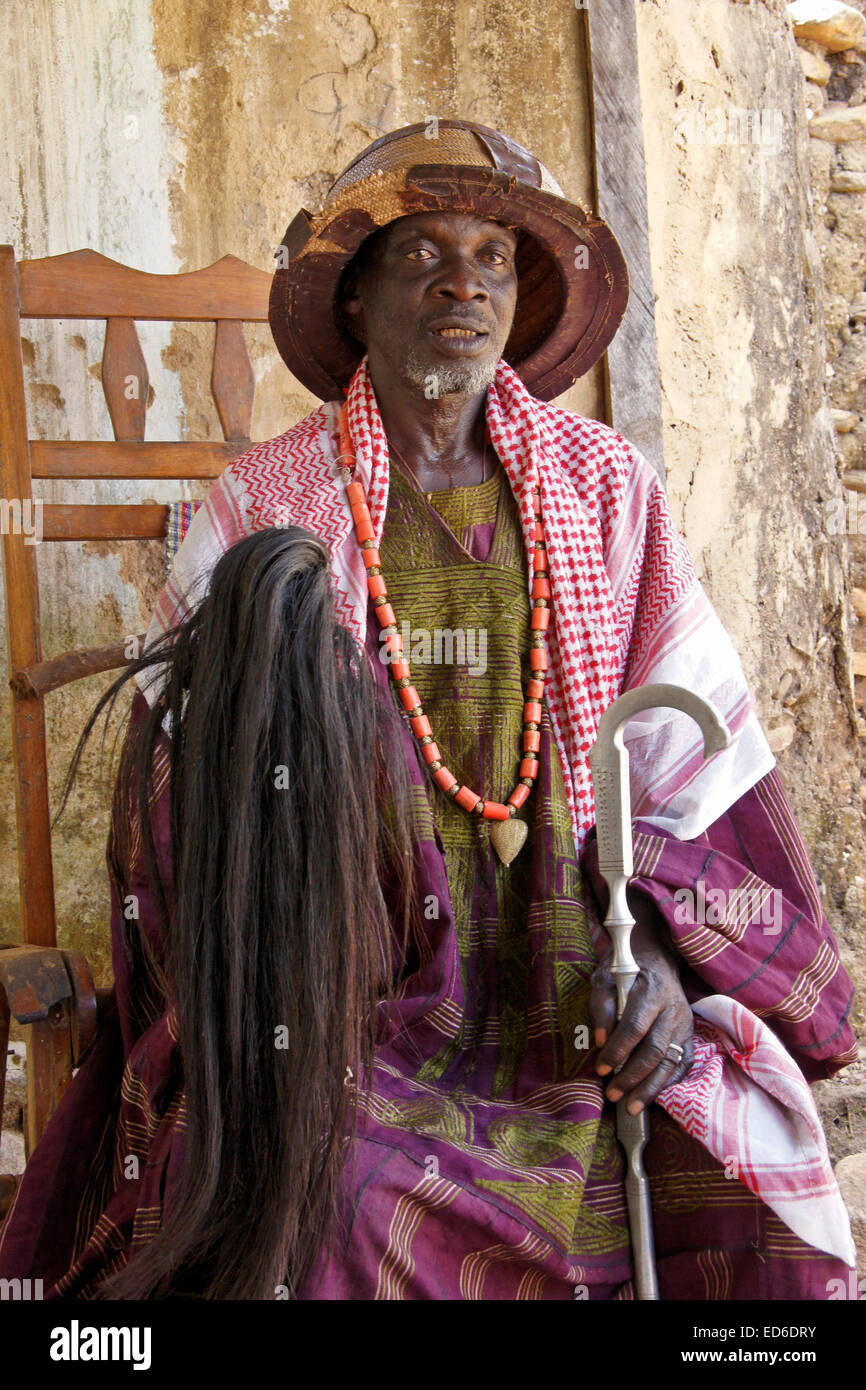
<point>651,1046</point>
<point>647,1030</point>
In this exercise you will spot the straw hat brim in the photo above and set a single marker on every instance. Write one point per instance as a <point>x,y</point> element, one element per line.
<point>572,277</point>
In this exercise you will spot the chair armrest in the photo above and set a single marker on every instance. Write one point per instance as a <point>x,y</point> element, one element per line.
<point>53,991</point>
<point>43,676</point>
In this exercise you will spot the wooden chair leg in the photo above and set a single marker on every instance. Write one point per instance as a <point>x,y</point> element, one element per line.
<point>8,1181</point>
<point>4,1045</point>
<point>49,1070</point>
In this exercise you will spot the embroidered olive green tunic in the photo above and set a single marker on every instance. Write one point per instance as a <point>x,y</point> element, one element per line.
<point>456,574</point>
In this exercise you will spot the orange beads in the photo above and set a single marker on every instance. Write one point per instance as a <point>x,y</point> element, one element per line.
<point>385,614</point>
<point>467,799</point>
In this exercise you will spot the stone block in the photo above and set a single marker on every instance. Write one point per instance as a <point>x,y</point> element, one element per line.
<point>849,181</point>
<point>851,1177</point>
<point>842,1108</point>
<point>814,68</point>
<point>781,736</point>
<point>839,123</point>
<point>827,22</point>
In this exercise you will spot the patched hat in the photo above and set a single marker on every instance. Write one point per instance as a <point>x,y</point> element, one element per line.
<point>572,278</point>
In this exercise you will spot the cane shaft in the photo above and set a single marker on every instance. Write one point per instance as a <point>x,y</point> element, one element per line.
<point>632,1131</point>
<point>623,967</point>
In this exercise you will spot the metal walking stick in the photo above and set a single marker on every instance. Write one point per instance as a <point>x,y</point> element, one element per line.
<point>610,779</point>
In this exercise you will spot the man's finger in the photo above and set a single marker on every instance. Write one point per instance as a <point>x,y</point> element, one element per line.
<point>645,1057</point>
<point>602,1005</point>
<point>639,1016</point>
<point>672,1068</point>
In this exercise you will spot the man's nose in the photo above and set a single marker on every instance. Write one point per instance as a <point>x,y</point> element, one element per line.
<point>460,279</point>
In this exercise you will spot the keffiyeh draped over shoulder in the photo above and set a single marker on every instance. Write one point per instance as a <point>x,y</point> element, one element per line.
<point>627,606</point>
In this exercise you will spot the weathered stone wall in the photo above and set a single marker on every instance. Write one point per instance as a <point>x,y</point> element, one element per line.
<point>167,135</point>
<point>759,257</point>
<point>749,440</point>
<point>833,59</point>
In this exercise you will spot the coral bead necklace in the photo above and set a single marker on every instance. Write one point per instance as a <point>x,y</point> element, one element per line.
<point>507,833</point>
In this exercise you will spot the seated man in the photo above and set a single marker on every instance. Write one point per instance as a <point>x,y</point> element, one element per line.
<point>449,290</point>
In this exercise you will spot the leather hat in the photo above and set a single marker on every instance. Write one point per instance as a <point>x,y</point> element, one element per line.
<point>572,278</point>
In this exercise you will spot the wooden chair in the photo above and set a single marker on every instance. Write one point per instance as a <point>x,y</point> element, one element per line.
<point>49,989</point>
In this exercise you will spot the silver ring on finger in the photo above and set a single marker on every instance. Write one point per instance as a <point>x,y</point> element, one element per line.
<point>674,1053</point>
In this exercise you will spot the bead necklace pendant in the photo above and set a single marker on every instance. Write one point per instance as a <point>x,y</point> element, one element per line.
<point>508,838</point>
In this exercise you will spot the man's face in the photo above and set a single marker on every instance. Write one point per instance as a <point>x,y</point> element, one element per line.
<point>435,305</point>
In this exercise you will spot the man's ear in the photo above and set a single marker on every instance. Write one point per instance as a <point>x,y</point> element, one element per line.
<point>353,310</point>
<point>350,309</point>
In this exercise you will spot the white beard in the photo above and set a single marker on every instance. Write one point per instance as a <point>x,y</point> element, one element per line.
<point>454,379</point>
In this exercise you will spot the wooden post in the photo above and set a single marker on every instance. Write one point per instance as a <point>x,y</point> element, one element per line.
<point>35,873</point>
<point>633,386</point>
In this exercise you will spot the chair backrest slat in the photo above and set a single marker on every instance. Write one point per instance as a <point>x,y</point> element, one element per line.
<point>135,521</point>
<point>125,379</point>
<point>232,381</point>
<point>87,285</point>
<point>82,458</point>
